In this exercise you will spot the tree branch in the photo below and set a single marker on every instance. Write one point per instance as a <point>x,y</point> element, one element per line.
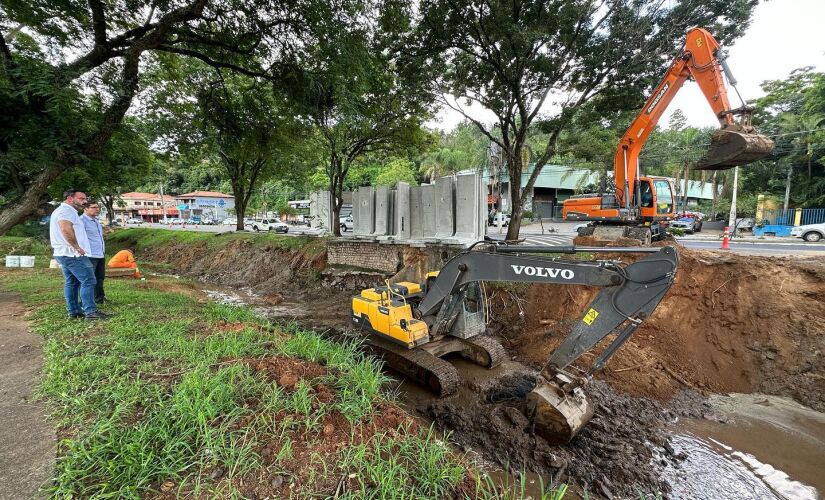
<point>98,21</point>
<point>211,62</point>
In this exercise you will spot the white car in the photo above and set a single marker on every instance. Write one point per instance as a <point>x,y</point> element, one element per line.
<point>809,232</point>
<point>504,219</point>
<point>267,225</point>
<point>347,224</point>
<point>175,220</point>
<point>229,222</point>
<point>134,220</point>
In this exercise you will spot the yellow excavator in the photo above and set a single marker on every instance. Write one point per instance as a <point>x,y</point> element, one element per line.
<point>413,325</point>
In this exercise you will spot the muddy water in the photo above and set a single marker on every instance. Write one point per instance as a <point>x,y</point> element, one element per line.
<point>764,447</point>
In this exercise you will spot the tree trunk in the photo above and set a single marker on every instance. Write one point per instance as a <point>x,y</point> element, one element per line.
<point>686,185</point>
<point>109,203</point>
<point>515,200</point>
<point>240,205</point>
<point>788,186</point>
<point>715,195</point>
<point>336,199</point>
<point>27,205</point>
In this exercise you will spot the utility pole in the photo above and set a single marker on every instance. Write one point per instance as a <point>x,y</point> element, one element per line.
<point>788,187</point>
<point>732,216</point>
<point>162,202</point>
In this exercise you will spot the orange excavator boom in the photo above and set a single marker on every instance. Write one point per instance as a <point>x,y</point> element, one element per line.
<point>703,60</point>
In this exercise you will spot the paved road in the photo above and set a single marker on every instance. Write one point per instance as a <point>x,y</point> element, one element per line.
<point>748,248</point>
<point>742,247</point>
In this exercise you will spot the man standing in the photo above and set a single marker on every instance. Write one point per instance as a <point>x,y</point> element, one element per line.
<point>70,243</point>
<point>94,232</point>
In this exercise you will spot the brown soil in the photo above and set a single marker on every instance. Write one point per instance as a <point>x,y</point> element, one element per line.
<point>28,440</point>
<point>729,323</point>
<point>288,371</point>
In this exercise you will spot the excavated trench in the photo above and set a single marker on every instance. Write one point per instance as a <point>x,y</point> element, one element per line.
<point>655,428</point>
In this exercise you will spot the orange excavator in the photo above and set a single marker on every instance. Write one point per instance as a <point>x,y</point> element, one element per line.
<point>640,204</point>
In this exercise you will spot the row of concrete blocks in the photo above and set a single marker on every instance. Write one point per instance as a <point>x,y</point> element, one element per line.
<point>450,211</point>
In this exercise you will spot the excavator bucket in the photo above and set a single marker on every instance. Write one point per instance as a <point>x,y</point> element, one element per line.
<point>730,148</point>
<point>558,415</point>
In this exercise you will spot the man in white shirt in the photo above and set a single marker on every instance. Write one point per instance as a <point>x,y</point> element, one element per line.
<point>71,245</point>
<point>94,232</point>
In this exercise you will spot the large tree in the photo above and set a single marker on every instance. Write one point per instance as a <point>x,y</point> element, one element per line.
<point>538,62</point>
<point>242,123</point>
<point>359,95</point>
<point>70,70</point>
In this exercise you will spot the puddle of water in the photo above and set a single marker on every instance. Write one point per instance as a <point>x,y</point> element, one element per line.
<point>769,448</point>
<point>226,298</point>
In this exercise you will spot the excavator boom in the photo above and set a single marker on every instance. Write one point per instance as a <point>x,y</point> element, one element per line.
<point>734,143</point>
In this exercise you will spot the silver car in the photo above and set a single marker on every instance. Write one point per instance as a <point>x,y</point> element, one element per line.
<point>809,232</point>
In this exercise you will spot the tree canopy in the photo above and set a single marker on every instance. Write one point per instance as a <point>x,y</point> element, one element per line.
<point>536,63</point>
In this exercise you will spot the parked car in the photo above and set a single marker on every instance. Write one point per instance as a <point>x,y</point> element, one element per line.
<point>230,221</point>
<point>809,232</point>
<point>134,220</point>
<point>578,228</point>
<point>208,221</point>
<point>267,225</point>
<point>689,222</point>
<point>347,224</point>
<point>503,218</point>
<point>175,220</point>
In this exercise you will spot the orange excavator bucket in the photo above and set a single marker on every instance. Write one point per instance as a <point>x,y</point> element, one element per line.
<point>735,147</point>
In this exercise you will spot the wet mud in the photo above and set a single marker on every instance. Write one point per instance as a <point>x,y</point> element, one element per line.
<point>619,454</point>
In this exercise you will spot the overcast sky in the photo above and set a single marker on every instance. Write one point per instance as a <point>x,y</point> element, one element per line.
<point>784,35</point>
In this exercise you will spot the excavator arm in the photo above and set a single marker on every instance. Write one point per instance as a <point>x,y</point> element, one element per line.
<point>630,294</point>
<point>733,144</point>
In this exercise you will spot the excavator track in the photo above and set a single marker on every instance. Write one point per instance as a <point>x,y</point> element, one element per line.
<point>492,347</point>
<point>417,364</point>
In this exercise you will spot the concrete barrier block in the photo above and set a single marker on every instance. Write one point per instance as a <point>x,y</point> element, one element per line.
<point>402,229</point>
<point>320,210</point>
<point>428,210</point>
<point>444,208</point>
<point>382,211</point>
<point>364,212</point>
<point>416,214</point>
<point>468,208</point>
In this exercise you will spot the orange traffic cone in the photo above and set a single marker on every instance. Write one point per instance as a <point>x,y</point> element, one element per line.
<point>726,240</point>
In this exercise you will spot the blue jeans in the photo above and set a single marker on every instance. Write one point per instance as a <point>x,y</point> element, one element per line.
<point>79,277</point>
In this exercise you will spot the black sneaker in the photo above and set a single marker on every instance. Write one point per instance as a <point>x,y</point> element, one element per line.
<point>77,316</point>
<point>97,315</point>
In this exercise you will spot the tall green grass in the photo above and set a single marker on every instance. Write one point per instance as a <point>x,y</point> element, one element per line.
<point>144,238</point>
<point>156,395</point>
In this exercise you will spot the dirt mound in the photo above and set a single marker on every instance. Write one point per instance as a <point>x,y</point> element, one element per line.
<point>729,323</point>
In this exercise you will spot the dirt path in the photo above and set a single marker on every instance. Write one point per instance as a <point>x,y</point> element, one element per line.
<point>27,454</point>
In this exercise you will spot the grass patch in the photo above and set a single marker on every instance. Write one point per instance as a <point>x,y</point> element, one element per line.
<point>144,238</point>
<point>160,397</point>
<point>26,245</point>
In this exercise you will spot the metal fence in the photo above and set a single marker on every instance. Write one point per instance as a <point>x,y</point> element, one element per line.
<point>783,217</point>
